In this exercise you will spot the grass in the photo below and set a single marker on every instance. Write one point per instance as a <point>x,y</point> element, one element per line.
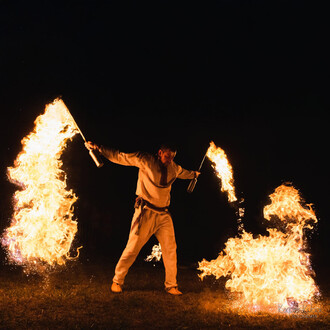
<point>78,297</point>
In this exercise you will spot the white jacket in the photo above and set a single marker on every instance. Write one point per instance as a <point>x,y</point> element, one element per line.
<point>148,184</point>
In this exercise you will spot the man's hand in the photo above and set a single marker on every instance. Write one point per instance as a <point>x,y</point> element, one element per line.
<point>92,146</point>
<point>197,174</point>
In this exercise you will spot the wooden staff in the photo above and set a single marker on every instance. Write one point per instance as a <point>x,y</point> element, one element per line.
<point>193,182</point>
<point>93,153</point>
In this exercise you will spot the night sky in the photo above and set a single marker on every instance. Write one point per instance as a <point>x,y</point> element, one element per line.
<point>252,76</point>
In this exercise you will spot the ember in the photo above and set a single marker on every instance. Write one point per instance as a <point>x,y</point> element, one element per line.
<point>42,227</point>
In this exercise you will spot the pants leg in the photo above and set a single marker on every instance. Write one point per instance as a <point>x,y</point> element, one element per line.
<point>166,237</point>
<point>134,245</point>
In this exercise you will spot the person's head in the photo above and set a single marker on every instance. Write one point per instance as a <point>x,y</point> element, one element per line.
<point>166,154</point>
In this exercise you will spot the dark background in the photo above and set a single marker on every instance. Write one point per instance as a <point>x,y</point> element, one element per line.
<point>250,75</point>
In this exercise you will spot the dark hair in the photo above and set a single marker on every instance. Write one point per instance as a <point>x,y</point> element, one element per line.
<point>167,146</point>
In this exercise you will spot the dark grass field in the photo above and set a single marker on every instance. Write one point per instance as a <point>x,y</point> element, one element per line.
<point>78,297</point>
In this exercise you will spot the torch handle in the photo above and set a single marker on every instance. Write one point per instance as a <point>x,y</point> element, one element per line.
<point>96,157</point>
<point>192,185</point>
<point>193,182</point>
<point>201,164</point>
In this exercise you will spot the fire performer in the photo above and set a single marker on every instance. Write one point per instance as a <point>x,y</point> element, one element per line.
<point>156,176</point>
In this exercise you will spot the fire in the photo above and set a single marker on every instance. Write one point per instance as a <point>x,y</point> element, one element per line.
<point>223,170</point>
<point>156,253</point>
<point>42,228</point>
<point>287,206</point>
<point>273,269</point>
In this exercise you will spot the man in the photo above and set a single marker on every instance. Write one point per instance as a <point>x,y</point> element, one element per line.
<point>156,176</point>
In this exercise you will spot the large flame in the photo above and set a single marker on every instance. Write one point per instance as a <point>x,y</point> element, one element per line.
<point>223,170</point>
<point>42,227</point>
<point>273,269</point>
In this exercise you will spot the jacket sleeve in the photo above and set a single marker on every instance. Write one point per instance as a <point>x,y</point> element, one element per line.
<point>128,159</point>
<point>185,174</point>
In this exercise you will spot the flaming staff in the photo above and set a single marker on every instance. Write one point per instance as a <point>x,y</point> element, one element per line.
<point>223,170</point>
<point>42,228</point>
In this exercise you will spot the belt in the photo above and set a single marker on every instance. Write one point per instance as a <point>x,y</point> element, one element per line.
<point>143,204</point>
<point>140,202</point>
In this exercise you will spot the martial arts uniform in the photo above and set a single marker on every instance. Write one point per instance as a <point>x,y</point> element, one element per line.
<point>151,210</point>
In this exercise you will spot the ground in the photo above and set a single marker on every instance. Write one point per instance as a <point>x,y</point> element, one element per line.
<point>78,297</point>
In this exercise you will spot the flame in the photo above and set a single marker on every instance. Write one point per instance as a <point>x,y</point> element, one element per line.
<point>223,170</point>
<point>273,269</point>
<point>156,253</point>
<point>42,228</point>
<point>287,206</point>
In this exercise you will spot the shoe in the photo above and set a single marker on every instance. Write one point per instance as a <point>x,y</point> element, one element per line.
<point>174,292</point>
<point>116,288</point>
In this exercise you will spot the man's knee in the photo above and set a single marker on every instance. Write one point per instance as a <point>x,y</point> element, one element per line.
<point>169,249</point>
<point>128,253</point>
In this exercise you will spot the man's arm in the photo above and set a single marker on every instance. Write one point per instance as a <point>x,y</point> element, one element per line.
<point>115,156</point>
<point>186,174</point>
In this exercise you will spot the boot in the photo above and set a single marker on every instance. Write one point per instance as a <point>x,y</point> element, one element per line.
<point>174,291</point>
<point>116,288</point>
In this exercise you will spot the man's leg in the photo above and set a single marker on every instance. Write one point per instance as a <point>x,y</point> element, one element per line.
<point>134,245</point>
<point>166,237</point>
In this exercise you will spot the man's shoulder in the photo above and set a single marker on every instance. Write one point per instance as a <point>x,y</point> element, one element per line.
<point>146,157</point>
<point>144,154</point>
<point>176,165</point>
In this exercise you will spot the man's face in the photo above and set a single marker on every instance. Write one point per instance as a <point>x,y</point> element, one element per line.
<point>166,156</point>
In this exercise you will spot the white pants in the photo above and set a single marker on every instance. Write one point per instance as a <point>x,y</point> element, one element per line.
<point>152,222</point>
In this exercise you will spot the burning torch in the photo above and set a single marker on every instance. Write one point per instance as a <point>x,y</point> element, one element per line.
<point>193,182</point>
<point>93,153</point>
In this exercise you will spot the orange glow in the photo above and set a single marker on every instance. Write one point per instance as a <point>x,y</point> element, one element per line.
<point>223,170</point>
<point>42,228</point>
<point>273,269</point>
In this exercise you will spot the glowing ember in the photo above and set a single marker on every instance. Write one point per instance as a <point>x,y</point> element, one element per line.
<point>223,170</point>
<point>42,227</point>
<point>156,253</point>
<point>273,269</point>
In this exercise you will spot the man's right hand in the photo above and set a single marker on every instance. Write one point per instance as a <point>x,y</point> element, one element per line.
<point>92,146</point>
